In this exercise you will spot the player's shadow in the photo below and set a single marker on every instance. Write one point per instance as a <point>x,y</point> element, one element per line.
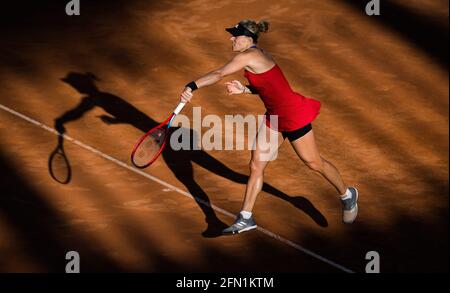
<point>179,162</point>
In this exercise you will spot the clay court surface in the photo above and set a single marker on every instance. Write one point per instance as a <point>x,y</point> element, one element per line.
<point>383,123</point>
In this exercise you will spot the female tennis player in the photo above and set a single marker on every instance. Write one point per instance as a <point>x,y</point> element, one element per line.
<point>295,114</point>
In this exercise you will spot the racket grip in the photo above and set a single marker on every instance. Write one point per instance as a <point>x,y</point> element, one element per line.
<point>179,108</point>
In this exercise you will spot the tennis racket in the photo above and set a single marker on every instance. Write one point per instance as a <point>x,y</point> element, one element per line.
<point>148,148</point>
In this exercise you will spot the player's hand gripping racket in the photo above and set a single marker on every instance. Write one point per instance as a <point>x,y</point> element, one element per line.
<point>148,148</point>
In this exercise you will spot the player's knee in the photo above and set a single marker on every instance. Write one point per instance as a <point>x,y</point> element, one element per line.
<point>255,167</point>
<point>316,165</point>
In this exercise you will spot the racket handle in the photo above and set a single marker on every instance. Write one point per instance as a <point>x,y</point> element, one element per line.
<point>179,108</point>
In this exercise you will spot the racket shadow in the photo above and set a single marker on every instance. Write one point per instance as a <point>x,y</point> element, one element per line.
<point>58,163</point>
<point>180,162</point>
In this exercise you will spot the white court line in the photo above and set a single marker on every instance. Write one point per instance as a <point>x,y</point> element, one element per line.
<point>171,187</point>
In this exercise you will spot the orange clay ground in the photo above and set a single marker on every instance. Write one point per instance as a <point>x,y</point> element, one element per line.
<point>383,123</point>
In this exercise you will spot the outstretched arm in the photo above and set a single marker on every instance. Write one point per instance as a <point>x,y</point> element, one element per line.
<point>237,63</point>
<point>74,114</point>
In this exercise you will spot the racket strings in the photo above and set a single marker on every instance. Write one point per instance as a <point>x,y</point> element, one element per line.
<point>149,148</point>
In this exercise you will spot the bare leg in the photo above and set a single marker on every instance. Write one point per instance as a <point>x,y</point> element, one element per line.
<point>265,150</point>
<point>260,158</point>
<point>307,150</point>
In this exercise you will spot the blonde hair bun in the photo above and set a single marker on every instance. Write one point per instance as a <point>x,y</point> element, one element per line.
<point>254,27</point>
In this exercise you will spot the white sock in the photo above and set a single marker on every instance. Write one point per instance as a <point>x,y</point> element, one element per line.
<point>346,195</point>
<point>246,215</point>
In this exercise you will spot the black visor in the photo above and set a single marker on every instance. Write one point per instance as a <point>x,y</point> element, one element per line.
<point>239,30</point>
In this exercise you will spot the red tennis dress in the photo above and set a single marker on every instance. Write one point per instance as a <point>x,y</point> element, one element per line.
<point>294,110</point>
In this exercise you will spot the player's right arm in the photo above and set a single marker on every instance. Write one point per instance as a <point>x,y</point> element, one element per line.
<point>237,63</point>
